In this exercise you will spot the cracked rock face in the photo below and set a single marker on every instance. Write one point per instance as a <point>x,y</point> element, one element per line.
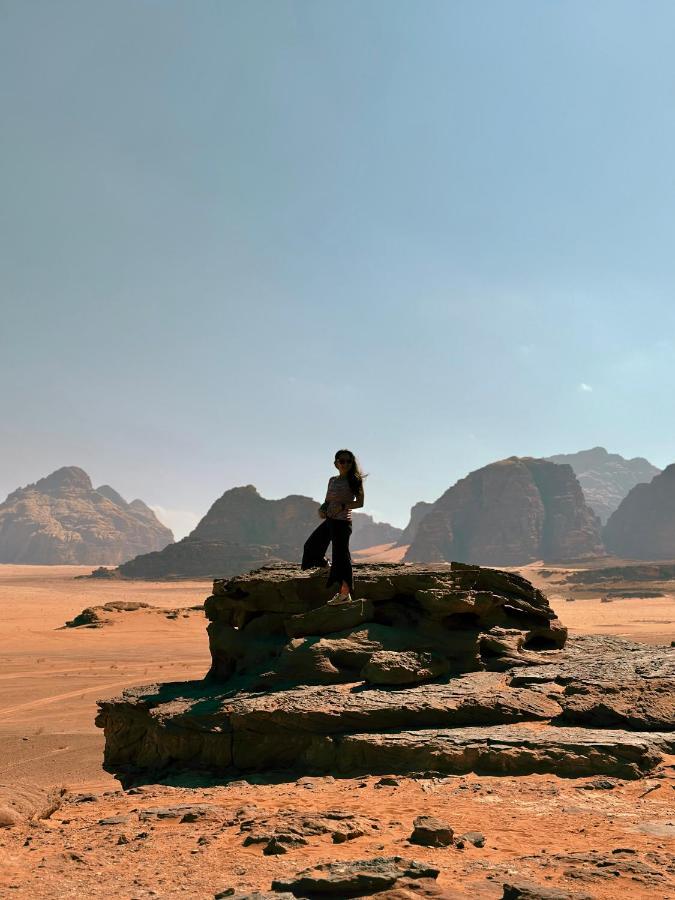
<point>450,669</point>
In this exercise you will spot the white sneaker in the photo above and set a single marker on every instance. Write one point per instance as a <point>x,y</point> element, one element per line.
<point>338,599</point>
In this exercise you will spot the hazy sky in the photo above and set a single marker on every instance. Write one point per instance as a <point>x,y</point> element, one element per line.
<point>238,236</point>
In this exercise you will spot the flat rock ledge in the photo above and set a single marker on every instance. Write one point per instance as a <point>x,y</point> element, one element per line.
<point>448,668</point>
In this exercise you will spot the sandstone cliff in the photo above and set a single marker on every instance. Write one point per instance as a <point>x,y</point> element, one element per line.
<point>61,519</point>
<point>643,527</point>
<point>606,478</point>
<point>242,531</point>
<point>509,513</point>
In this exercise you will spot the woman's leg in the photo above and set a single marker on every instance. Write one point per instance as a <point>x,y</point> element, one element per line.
<point>314,551</point>
<point>341,568</point>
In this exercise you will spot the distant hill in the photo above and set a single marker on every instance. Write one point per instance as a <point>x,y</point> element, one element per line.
<point>606,478</point>
<point>510,512</point>
<point>643,527</point>
<point>62,519</point>
<point>242,531</point>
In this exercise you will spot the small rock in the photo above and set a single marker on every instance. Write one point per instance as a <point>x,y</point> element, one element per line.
<point>473,837</point>
<point>599,784</point>
<point>123,839</point>
<point>431,832</point>
<point>114,820</point>
<point>387,781</point>
<point>275,848</point>
<point>84,798</point>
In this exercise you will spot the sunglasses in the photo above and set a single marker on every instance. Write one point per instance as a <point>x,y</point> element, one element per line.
<point>343,461</point>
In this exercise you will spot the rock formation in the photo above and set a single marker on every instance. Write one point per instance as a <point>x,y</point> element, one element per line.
<point>368,533</point>
<point>509,513</point>
<point>448,668</point>
<point>417,513</point>
<point>243,531</point>
<point>606,478</point>
<point>61,519</point>
<point>643,527</point>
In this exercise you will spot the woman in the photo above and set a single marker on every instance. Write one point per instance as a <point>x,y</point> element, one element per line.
<point>345,493</point>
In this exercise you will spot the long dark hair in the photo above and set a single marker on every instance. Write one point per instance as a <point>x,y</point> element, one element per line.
<point>354,476</point>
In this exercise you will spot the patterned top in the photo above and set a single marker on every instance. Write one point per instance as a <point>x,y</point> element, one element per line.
<point>338,492</point>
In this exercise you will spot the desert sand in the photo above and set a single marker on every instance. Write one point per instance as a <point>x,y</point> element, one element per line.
<point>51,677</point>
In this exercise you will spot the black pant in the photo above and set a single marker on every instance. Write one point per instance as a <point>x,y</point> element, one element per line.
<point>337,531</point>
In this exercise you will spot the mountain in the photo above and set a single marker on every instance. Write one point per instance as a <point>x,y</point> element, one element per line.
<point>643,527</point>
<point>62,519</point>
<point>510,512</point>
<point>243,531</point>
<point>606,478</point>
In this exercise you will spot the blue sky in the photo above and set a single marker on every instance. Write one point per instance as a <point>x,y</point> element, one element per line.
<point>238,236</point>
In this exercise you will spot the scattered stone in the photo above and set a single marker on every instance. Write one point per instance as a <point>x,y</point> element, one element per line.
<point>431,832</point>
<point>387,781</point>
<point>114,820</point>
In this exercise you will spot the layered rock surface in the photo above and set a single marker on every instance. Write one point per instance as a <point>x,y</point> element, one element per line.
<point>643,527</point>
<point>447,668</point>
<point>62,519</point>
<point>243,531</point>
<point>606,478</point>
<point>509,513</point>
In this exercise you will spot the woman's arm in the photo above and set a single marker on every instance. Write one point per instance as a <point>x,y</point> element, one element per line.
<point>358,503</point>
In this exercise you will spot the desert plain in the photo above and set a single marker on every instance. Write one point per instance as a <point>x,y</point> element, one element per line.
<point>599,838</point>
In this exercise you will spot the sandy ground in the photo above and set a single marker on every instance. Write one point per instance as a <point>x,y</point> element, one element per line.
<point>50,678</point>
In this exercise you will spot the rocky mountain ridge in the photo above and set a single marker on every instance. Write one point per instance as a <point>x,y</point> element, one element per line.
<point>62,519</point>
<point>606,478</point>
<point>243,530</point>
<point>509,512</point>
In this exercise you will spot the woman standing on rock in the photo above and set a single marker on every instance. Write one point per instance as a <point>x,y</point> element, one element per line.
<point>344,493</point>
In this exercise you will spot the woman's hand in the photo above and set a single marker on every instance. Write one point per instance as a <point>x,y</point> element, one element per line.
<point>323,510</point>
